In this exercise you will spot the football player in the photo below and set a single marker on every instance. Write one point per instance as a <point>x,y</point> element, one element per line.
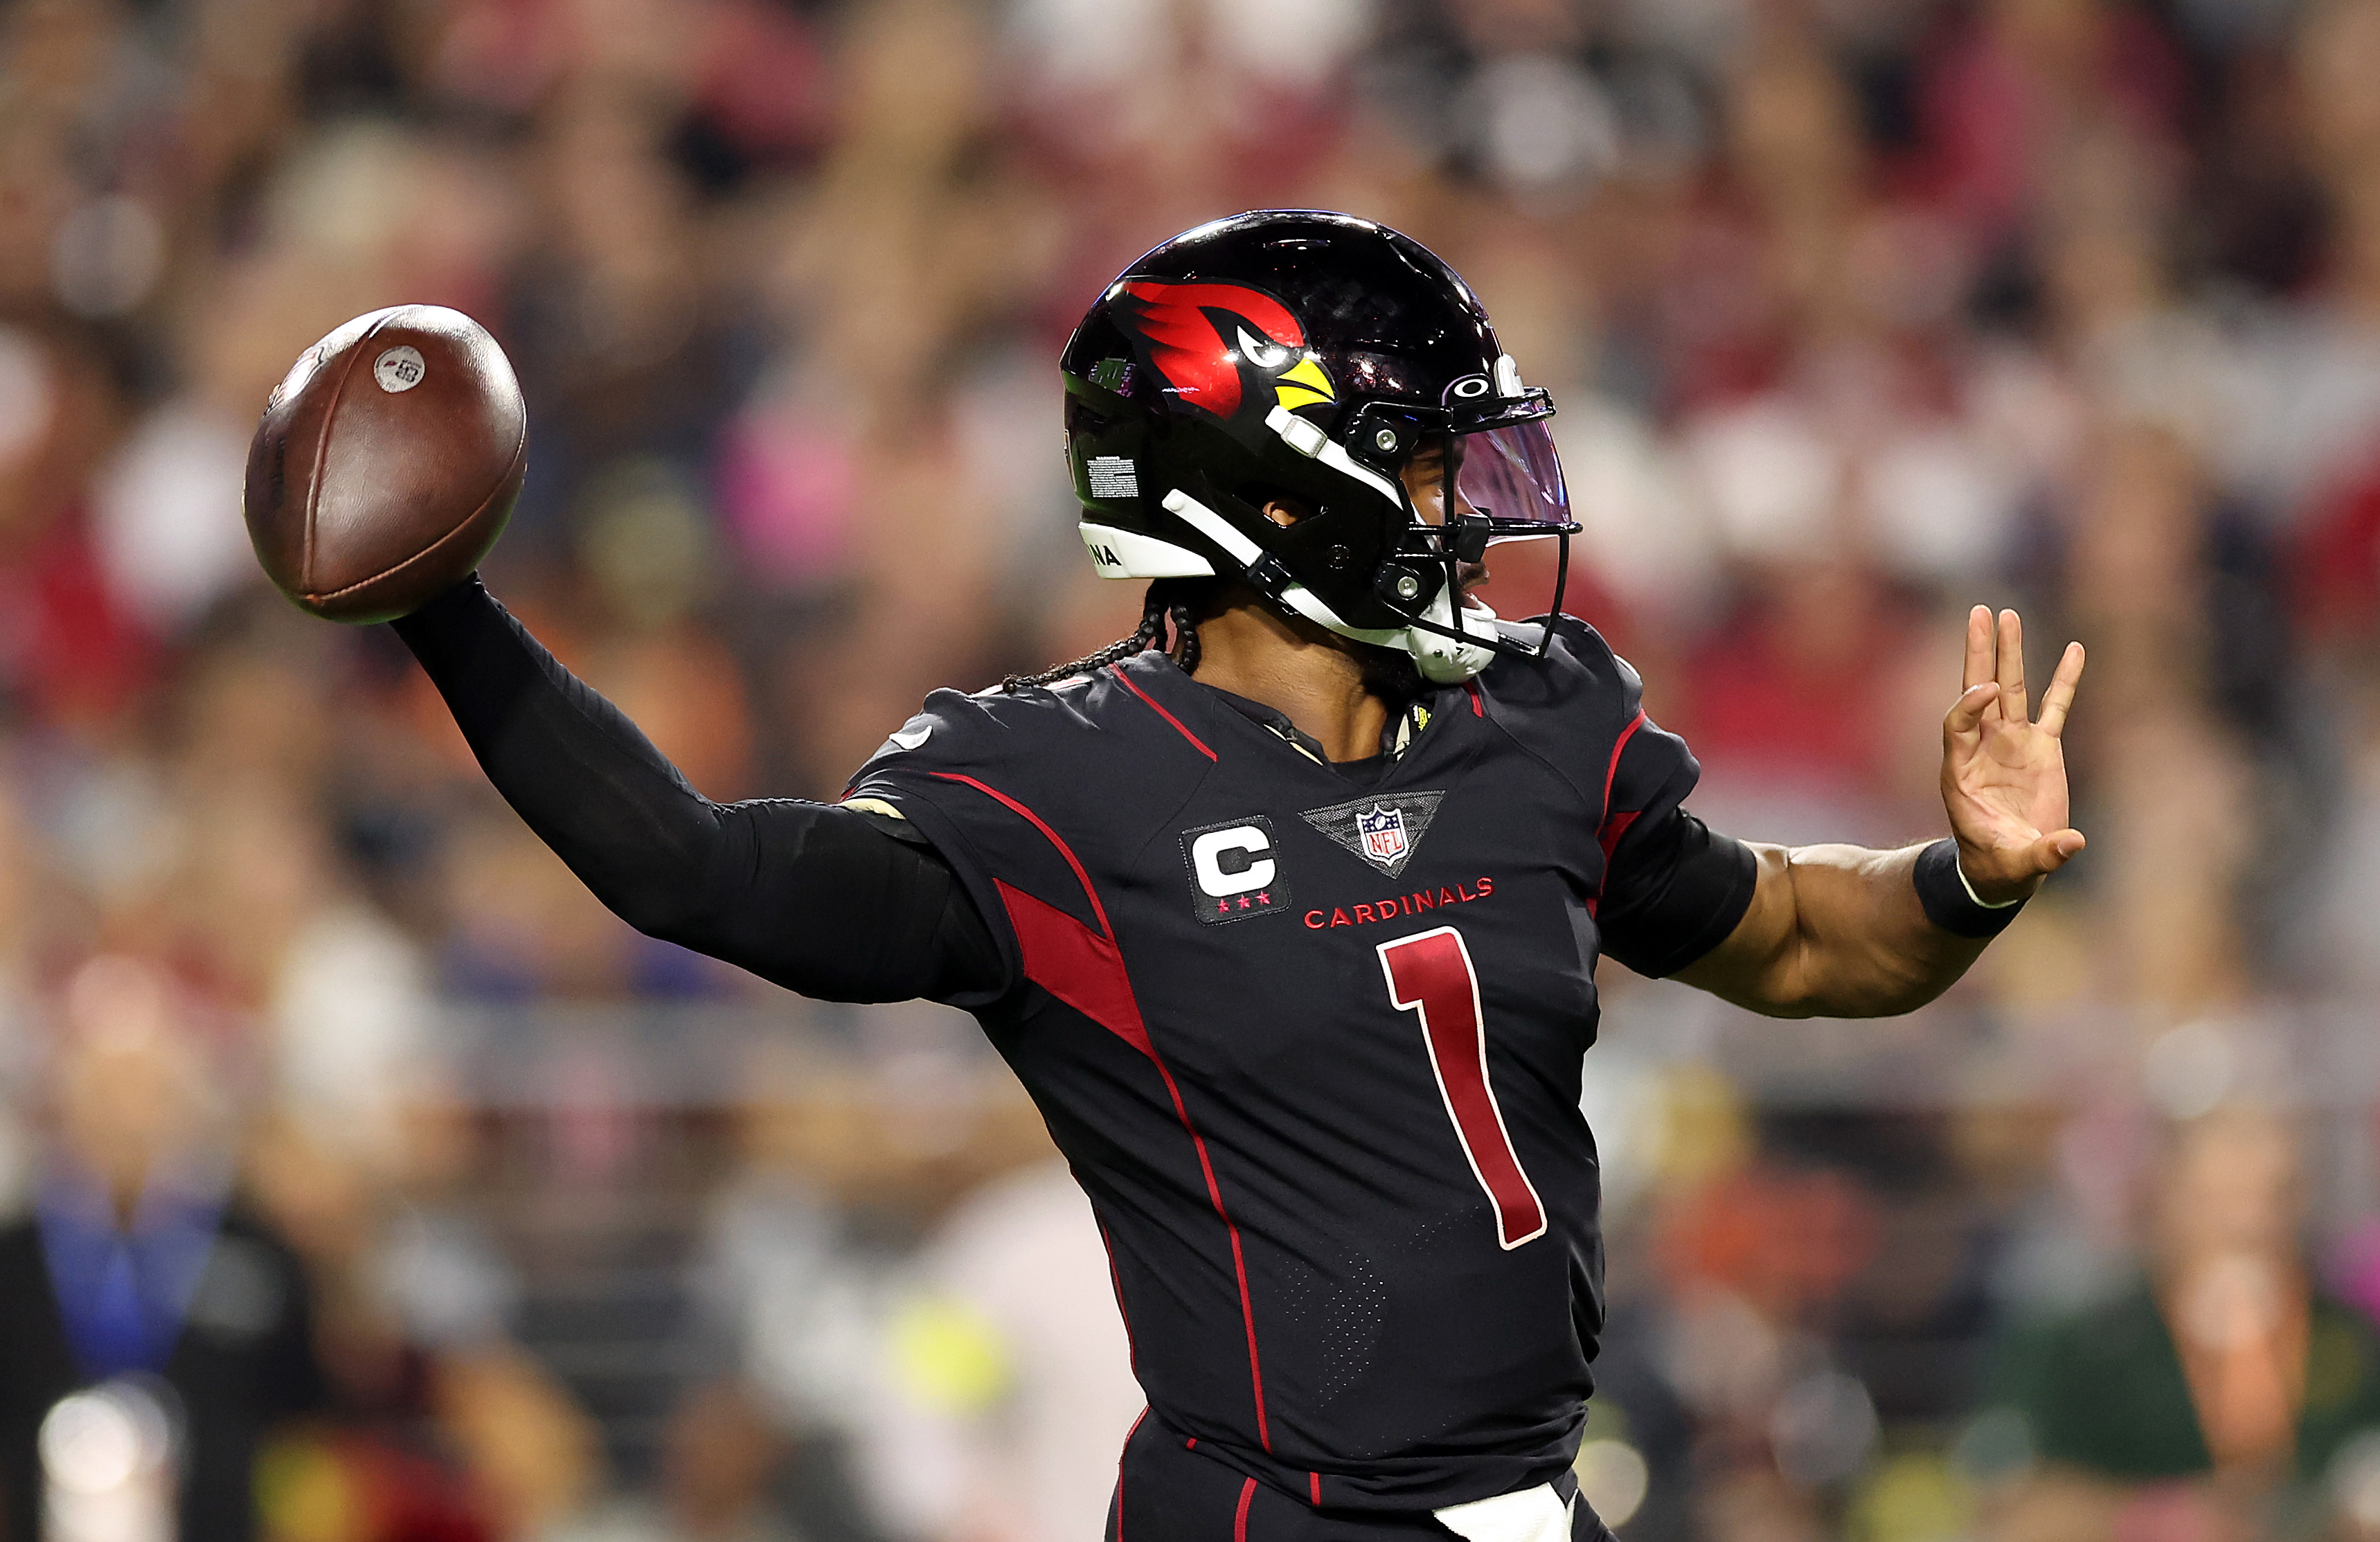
<point>1286,908</point>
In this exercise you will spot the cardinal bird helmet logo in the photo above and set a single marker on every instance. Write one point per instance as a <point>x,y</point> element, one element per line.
<point>1224,346</point>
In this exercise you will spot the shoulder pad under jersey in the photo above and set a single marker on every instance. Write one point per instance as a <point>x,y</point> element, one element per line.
<point>1570,706</point>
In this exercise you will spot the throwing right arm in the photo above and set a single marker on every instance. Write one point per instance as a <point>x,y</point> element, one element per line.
<point>818,898</point>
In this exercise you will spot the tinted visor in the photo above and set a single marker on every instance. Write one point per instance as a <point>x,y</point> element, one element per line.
<point>1509,489</point>
<point>1513,476</point>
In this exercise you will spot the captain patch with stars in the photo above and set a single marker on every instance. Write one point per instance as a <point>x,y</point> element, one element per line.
<point>1234,871</point>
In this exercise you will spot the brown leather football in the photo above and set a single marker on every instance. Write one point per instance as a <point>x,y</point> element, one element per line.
<point>386,464</point>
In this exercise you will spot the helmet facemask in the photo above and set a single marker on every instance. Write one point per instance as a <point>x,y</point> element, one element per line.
<point>1489,485</point>
<point>1498,478</point>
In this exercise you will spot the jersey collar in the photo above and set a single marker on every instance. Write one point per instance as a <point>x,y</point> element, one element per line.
<point>1396,736</point>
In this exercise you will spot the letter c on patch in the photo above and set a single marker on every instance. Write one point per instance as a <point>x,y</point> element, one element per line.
<point>1232,861</point>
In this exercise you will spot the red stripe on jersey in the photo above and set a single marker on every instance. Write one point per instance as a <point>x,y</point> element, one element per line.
<point>1239,1521</point>
<point>1471,687</point>
<point>1051,836</point>
<point>1611,771</point>
<point>1084,969</point>
<point>1075,964</point>
<point>1239,1267</point>
<point>1313,1487</point>
<point>1613,829</point>
<point>1195,742</point>
<point>1614,825</point>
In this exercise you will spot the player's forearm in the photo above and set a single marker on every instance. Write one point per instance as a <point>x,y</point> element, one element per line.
<point>572,765</point>
<point>810,896</point>
<point>1834,931</point>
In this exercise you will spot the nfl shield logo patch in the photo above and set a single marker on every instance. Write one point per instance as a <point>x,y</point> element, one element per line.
<point>1382,830</point>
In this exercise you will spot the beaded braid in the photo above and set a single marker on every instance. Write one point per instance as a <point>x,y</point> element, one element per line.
<point>1163,604</point>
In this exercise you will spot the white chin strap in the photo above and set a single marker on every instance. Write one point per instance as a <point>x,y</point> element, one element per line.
<point>1442,659</point>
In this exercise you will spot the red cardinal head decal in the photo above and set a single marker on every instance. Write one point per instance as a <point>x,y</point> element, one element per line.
<point>1222,346</point>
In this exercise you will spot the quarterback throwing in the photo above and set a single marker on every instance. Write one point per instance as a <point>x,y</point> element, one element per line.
<point>1286,909</point>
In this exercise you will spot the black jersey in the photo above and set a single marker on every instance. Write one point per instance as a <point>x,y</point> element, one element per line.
<point>1310,1035</point>
<point>1313,1044</point>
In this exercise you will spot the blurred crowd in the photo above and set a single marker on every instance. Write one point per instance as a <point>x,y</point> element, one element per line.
<point>370,1176</point>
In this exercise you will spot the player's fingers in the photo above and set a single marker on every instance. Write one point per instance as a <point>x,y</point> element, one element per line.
<point>1965,718</point>
<point>1979,648</point>
<point>2059,696</point>
<point>2056,849</point>
<point>2009,667</point>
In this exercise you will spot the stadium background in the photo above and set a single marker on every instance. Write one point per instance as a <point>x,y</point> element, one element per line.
<point>1858,311</point>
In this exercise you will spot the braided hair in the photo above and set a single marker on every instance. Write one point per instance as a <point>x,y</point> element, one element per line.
<point>1168,601</point>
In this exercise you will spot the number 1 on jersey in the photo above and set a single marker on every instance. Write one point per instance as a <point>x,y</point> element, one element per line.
<point>1430,973</point>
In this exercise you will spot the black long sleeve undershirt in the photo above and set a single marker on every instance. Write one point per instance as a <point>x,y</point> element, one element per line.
<point>820,899</point>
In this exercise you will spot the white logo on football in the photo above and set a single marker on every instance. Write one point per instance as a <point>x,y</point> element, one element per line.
<point>911,737</point>
<point>1246,841</point>
<point>400,369</point>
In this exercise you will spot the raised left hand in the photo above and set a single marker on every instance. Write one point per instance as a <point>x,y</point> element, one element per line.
<point>2004,775</point>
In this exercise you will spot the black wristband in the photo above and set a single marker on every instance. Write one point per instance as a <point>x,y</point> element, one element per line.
<point>1947,901</point>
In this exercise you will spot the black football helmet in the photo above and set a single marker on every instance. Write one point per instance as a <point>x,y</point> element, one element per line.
<point>1305,356</point>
